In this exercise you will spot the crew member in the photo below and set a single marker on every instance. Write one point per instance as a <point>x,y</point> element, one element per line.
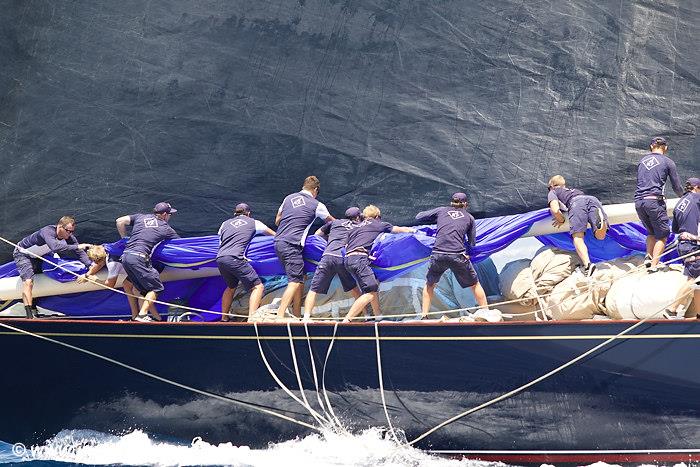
<point>294,218</point>
<point>331,263</point>
<point>652,172</point>
<point>686,223</point>
<point>59,239</point>
<point>583,210</point>
<point>148,230</point>
<point>454,224</point>
<point>357,259</point>
<point>234,236</point>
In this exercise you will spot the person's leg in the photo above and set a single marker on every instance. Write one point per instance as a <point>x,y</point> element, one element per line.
<point>309,304</point>
<point>226,301</point>
<point>696,299</point>
<point>651,241</point>
<point>256,295</point>
<point>133,301</point>
<point>359,305</point>
<point>298,300</point>
<point>287,297</point>
<point>428,293</point>
<point>27,287</point>
<point>599,219</point>
<point>657,250</point>
<point>480,295</point>
<point>581,248</point>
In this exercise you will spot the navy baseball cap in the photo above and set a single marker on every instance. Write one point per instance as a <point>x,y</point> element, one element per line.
<point>694,181</point>
<point>658,141</point>
<point>459,197</point>
<point>164,207</point>
<point>352,213</point>
<point>242,207</point>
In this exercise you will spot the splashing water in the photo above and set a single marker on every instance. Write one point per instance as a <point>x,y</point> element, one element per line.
<point>368,448</point>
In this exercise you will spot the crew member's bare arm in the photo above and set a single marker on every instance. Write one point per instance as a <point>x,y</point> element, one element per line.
<point>556,213</point>
<point>397,229</point>
<point>122,222</point>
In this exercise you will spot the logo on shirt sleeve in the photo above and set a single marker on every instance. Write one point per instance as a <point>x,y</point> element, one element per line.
<point>683,205</point>
<point>150,222</point>
<point>298,201</point>
<point>455,214</point>
<point>650,162</point>
<point>238,223</point>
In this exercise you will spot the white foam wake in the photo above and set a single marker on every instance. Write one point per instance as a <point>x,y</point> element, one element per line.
<point>369,448</point>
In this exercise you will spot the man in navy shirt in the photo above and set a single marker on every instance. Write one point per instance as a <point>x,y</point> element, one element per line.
<point>148,230</point>
<point>583,210</point>
<point>332,263</point>
<point>234,236</point>
<point>57,239</point>
<point>454,224</point>
<point>294,218</point>
<point>652,172</point>
<point>686,223</point>
<point>357,259</point>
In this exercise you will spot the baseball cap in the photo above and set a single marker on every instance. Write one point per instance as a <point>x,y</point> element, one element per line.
<point>459,197</point>
<point>352,212</point>
<point>693,181</point>
<point>242,207</point>
<point>658,141</point>
<point>164,207</point>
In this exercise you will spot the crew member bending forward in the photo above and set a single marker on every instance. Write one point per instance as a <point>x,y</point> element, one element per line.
<point>235,235</point>
<point>148,230</point>
<point>357,260</point>
<point>454,223</point>
<point>686,223</point>
<point>583,210</point>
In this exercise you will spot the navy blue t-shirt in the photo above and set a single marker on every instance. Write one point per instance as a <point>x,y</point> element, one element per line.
<point>45,241</point>
<point>652,172</point>
<point>563,195</point>
<point>686,215</point>
<point>235,235</point>
<point>337,232</point>
<point>362,237</point>
<point>147,231</point>
<point>299,210</point>
<point>453,225</point>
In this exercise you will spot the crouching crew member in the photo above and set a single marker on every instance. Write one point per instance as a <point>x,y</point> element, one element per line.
<point>357,260</point>
<point>59,239</point>
<point>235,235</point>
<point>454,224</point>
<point>294,218</point>
<point>652,172</point>
<point>583,210</point>
<point>686,223</point>
<point>148,230</point>
<point>332,263</point>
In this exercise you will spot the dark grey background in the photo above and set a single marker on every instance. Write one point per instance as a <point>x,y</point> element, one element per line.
<point>107,107</point>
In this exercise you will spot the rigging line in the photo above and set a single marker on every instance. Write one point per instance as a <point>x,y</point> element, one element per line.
<point>160,378</point>
<point>315,374</point>
<point>321,420</point>
<point>277,380</point>
<point>546,375</point>
<point>113,289</point>
<point>323,378</point>
<point>381,383</point>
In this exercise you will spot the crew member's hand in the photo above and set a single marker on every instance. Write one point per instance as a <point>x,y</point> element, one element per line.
<point>557,223</point>
<point>81,278</point>
<point>687,236</point>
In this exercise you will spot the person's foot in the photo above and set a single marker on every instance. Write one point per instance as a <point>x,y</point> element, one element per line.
<point>647,261</point>
<point>143,319</point>
<point>599,219</point>
<point>589,269</point>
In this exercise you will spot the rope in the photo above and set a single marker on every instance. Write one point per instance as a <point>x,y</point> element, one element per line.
<point>381,383</point>
<point>160,378</point>
<point>323,378</point>
<point>543,377</point>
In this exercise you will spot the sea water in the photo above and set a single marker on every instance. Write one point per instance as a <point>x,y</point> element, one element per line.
<point>371,447</point>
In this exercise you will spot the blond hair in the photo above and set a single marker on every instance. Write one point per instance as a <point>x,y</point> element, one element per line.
<point>66,221</point>
<point>311,182</point>
<point>371,211</point>
<point>557,180</point>
<point>97,253</point>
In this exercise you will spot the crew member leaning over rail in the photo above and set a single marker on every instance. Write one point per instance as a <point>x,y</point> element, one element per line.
<point>686,223</point>
<point>148,230</point>
<point>59,239</point>
<point>454,224</point>
<point>583,210</point>
<point>357,259</point>
<point>235,235</point>
<point>652,172</point>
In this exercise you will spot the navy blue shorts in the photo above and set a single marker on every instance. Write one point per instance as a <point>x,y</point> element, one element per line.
<point>141,273</point>
<point>654,217</point>
<point>460,266</point>
<point>326,270</point>
<point>584,211</point>
<point>27,266</point>
<point>692,268</point>
<point>290,255</point>
<point>358,267</point>
<point>235,270</point>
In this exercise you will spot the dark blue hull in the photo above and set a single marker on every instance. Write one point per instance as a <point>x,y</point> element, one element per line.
<point>638,393</point>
